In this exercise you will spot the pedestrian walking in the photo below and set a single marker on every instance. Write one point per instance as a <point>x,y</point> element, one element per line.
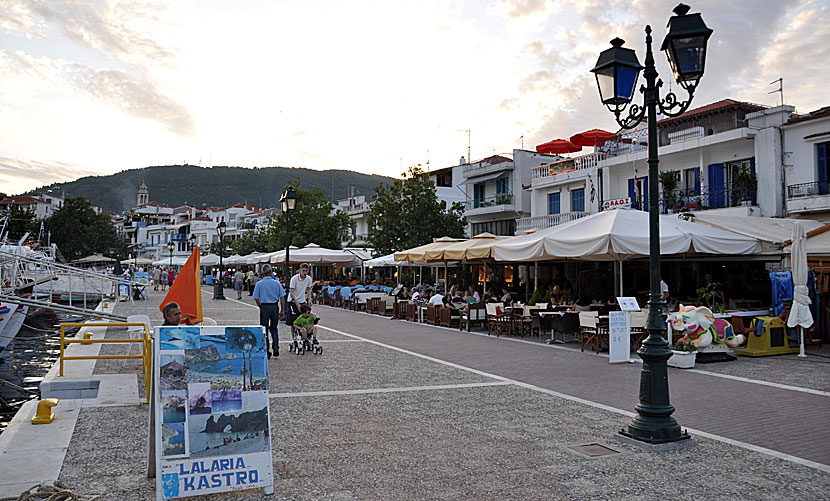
<point>164,275</point>
<point>269,296</point>
<point>299,293</point>
<point>238,282</point>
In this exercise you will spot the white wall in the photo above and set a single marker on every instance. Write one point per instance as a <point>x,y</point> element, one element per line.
<point>801,158</point>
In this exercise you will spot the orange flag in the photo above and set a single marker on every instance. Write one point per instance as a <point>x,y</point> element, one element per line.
<point>186,291</point>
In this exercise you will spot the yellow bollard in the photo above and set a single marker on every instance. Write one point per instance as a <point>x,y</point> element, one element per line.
<point>87,338</point>
<point>44,414</point>
<point>106,304</point>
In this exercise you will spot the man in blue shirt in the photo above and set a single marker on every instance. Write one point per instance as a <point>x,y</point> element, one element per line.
<point>270,297</point>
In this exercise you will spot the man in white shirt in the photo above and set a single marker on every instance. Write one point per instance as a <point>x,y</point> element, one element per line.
<point>299,291</point>
<point>437,298</point>
<point>664,291</point>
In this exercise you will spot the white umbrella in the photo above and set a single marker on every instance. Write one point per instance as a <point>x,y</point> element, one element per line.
<point>209,260</point>
<point>800,313</point>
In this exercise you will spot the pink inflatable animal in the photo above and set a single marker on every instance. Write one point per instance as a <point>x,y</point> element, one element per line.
<point>699,326</point>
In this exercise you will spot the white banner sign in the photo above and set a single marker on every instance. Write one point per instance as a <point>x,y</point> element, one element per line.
<point>616,204</point>
<point>212,418</point>
<point>619,337</point>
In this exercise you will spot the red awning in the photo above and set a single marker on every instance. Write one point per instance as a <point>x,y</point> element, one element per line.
<point>593,137</point>
<point>557,147</point>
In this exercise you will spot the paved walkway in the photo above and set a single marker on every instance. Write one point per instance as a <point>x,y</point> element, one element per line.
<point>394,410</point>
<point>762,415</point>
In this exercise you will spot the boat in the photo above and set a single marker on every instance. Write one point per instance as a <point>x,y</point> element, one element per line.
<point>227,369</point>
<point>11,320</point>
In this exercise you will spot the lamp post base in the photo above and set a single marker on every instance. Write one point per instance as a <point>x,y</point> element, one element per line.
<point>218,290</point>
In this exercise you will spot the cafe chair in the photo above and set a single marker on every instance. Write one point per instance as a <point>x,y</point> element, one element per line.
<point>739,328</point>
<point>590,330</point>
<point>638,328</point>
<point>497,320</point>
<point>473,313</point>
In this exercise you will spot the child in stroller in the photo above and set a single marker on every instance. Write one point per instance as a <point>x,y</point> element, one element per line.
<point>304,333</point>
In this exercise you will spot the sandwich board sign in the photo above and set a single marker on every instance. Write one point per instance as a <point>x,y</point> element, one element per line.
<point>211,418</point>
<point>619,331</point>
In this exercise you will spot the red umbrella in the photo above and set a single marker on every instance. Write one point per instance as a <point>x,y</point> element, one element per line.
<point>557,146</point>
<point>593,137</point>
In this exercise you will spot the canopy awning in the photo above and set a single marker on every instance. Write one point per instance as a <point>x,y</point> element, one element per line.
<point>622,234</point>
<point>481,179</point>
<point>314,254</point>
<point>419,254</point>
<point>479,247</point>
<point>387,260</point>
<point>772,232</point>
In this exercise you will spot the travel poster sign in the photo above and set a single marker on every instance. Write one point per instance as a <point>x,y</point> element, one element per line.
<point>212,430</point>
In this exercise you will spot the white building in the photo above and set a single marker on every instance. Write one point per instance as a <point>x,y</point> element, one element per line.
<point>357,208</point>
<point>807,165</point>
<point>495,191</point>
<point>43,205</point>
<point>725,156</point>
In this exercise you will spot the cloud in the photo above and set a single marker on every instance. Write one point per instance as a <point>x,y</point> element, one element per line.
<point>22,175</point>
<point>139,98</point>
<point>520,8</point>
<point>123,79</point>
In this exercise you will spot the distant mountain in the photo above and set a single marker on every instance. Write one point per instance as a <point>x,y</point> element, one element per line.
<point>176,185</point>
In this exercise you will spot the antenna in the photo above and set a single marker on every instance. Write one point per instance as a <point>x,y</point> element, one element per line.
<point>780,88</point>
<point>427,160</point>
<point>469,160</point>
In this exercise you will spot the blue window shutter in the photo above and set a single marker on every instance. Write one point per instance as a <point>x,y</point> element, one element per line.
<point>498,186</point>
<point>717,188</point>
<point>631,191</point>
<point>553,203</point>
<point>578,200</point>
<point>697,181</point>
<point>645,194</point>
<point>822,167</point>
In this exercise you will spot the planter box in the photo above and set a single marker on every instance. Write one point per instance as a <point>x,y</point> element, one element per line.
<point>682,359</point>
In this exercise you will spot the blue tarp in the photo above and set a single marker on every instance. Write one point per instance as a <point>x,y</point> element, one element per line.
<point>782,290</point>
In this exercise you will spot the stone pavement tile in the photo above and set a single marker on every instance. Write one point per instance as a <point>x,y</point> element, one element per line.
<point>350,366</point>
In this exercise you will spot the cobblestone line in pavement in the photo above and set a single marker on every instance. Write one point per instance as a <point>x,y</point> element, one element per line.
<point>741,411</point>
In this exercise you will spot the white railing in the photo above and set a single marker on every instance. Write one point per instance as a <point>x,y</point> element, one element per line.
<point>541,222</point>
<point>576,163</point>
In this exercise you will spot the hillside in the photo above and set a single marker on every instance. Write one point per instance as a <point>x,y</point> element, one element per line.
<point>177,185</point>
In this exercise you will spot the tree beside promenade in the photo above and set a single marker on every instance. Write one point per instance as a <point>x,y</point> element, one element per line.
<point>78,231</point>
<point>408,213</point>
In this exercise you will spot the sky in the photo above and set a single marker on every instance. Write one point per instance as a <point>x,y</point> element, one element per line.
<point>96,87</point>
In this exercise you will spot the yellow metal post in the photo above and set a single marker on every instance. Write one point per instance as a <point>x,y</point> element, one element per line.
<point>44,414</point>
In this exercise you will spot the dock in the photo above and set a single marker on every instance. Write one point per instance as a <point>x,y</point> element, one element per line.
<point>399,410</point>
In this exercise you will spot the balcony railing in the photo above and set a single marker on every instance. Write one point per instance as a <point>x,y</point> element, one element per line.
<point>528,223</point>
<point>569,164</point>
<point>711,197</point>
<point>808,189</point>
<point>499,199</point>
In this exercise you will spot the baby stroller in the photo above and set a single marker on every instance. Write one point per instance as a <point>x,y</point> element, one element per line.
<point>300,345</point>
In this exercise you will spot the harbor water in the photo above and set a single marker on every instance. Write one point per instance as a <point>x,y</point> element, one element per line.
<point>26,361</point>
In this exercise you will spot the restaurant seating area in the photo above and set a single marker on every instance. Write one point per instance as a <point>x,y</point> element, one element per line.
<point>589,328</point>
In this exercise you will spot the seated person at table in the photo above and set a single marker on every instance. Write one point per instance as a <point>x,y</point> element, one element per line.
<point>472,292</point>
<point>418,296</point>
<point>437,299</point>
<point>581,304</point>
<point>556,296</point>
<point>505,296</point>
<point>403,294</point>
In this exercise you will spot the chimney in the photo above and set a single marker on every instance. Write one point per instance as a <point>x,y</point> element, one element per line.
<point>462,161</point>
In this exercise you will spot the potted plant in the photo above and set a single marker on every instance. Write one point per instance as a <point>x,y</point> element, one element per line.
<point>744,184</point>
<point>683,355</point>
<point>711,293</point>
<point>669,181</point>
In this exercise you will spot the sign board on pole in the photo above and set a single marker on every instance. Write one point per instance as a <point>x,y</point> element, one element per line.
<point>619,337</point>
<point>143,279</point>
<point>210,404</point>
<point>628,303</point>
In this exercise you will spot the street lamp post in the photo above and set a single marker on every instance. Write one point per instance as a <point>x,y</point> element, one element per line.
<point>170,248</point>
<point>616,72</point>
<point>192,240</point>
<point>288,202</point>
<point>218,287</point>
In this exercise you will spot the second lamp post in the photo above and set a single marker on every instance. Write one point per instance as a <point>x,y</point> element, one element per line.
<point>288,202</point>
<point>218,288</point>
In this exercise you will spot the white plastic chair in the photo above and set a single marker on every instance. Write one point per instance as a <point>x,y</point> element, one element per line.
<point>139,319</point>
<point>207,322</point>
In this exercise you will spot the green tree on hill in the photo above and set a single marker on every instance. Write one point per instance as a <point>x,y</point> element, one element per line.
<point>21,221</point>
<point>79,231</point>
<point>408,213</point>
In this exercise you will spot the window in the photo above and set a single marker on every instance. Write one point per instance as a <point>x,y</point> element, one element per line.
<point>822,166</point>
<point>444,180</point>
<point>478,195</point>
<point>691,181</point>
<point>503,185</point>
<point>553,203</point>
<point>578,200</point>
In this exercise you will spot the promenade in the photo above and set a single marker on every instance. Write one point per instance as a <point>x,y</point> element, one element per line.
<point>395,410</point>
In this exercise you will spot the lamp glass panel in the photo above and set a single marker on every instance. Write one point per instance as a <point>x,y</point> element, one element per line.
<point>292,202</point>
<point>605,82</point>
<point>686,57</point>
<point>626,81</point>
<point>284,205</point>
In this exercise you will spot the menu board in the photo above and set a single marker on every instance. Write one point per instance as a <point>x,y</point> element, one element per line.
<point>619,337</point>
<point>212,418</point>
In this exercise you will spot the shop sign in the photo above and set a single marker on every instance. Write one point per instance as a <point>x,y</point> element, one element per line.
<point>616,204</point>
